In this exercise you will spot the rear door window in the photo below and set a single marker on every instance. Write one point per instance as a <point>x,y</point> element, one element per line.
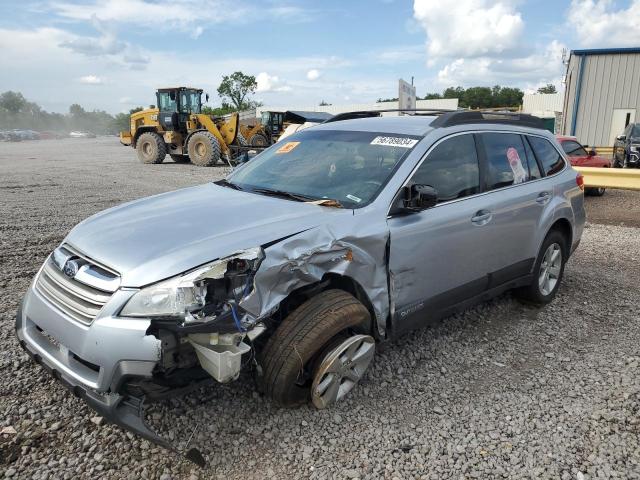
<point>534,168</point>
<point>506,160</point>
<point>550,159</point>
<point>451,168</point>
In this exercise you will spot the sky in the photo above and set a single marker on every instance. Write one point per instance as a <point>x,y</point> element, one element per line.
<point>112,54</point>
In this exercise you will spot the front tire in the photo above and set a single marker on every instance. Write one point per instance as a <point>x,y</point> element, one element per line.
<point>151,148</point>
<point>311,333</point>
<point>547,271</point>
<point>259,140</point>
<point>204,149</point>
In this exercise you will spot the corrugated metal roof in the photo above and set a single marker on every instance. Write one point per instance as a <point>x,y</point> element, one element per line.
<point>606,51</point>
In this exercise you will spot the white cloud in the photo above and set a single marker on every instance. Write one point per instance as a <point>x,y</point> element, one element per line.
<point>544,67</point>
<point>91,80</point>
<point>469,28</point>
<point>313,74</point>
<point>270,83</point>
<point>598,24</point>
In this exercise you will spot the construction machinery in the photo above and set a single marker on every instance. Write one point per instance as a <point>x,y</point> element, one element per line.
<point>178,127</point>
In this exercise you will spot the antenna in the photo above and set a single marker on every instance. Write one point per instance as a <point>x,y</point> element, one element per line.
<point>565,60</point>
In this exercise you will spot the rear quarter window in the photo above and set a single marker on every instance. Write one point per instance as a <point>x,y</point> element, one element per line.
<point>550,159</point>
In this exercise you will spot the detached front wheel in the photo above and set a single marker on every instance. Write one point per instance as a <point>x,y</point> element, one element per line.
<point>319,352</point>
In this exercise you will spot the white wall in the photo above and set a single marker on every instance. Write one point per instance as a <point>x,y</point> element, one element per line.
<point>445,104</point>
<point>542,104</point>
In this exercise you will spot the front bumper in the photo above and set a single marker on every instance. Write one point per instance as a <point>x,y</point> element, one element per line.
<point>122,410</point>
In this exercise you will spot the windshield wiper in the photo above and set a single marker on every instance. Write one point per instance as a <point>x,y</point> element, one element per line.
<point>299,197</point>
<point>226,183</point>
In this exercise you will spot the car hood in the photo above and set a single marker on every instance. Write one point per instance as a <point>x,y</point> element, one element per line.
<point>154,238</point>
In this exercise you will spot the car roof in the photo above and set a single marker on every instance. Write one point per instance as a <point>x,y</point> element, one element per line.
<point>566,137</point>
<point>405,124</point>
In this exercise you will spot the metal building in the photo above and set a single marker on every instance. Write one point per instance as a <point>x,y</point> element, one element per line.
<point>602,94</point>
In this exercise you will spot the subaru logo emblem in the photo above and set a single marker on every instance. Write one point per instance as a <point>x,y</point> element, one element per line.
<point>70,268</point>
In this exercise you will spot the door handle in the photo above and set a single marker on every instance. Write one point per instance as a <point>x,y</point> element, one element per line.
<point>543,197</point>
<point>481,217</point>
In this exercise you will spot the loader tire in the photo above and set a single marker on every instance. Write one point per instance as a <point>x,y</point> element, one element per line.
<point>241,140</point>
<point>204,149</point>
<point>259,140</point>
<point>291,353</point>
<point>180,158</point>
<point>151,148</point>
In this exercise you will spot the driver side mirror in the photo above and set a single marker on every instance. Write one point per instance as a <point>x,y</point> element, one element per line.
<point>420,197</point>
<point>206,97</point>
<point>622,138</point>
<point>592,153</point>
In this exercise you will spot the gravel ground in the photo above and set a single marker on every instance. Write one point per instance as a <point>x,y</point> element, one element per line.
<point>501,391</point>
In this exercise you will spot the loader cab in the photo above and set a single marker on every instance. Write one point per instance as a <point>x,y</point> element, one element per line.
<point>272,122</point>
<point>176,104</point>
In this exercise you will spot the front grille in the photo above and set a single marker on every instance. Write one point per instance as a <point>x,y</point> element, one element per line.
<point>78,300</point>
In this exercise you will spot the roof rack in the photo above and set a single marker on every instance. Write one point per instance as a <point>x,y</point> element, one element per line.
<point>449,118</point>
<point>478,116</point>
<point>378,113</point>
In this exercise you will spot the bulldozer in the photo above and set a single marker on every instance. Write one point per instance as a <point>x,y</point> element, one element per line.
<point>178,127</point>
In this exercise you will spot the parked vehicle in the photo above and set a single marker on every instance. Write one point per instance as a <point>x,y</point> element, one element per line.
<point>626,149</point>
<point>348,234</point>
<point>80,134</point>
<point>580,157</point>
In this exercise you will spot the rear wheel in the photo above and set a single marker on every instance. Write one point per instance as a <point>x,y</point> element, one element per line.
<point>240,140</point>
<point>259,140</point>
<point>204,149</point>
<point>151,148</point>
<point>548,270</point>
<point>321,346</point>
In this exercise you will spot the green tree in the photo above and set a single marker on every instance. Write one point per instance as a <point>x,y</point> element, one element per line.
<point>121,122</point>
<point>13,102</point>
<point>548,88</point>
<point>478,97</point>
<point>507,96</point>
<point>453,92</point>
<point>324,104</point>
<point>432,96</point>
<point>236,87</point>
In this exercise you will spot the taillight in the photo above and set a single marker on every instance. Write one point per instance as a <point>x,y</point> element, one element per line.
<point>580,181</point>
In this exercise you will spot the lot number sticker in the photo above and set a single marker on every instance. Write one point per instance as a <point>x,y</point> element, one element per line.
<point>402,142</point>
<point>287,147</point>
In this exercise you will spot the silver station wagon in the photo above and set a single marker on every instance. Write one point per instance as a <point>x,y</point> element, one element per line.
<point>303,259</point>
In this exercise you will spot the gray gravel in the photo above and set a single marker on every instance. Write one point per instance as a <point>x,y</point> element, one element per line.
<point>501,391</point>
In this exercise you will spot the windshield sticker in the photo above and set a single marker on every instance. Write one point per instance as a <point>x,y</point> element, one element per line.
<point>519,174</point>
<point>354,198</point>
<point>287,147</point>
<point>402,142</point>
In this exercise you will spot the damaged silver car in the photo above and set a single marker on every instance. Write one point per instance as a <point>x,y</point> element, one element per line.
<point>303,259</point>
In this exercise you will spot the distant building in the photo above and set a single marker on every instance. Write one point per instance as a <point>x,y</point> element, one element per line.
<point>443,103</point>
<point>547,106</point>
<point>602,94</point>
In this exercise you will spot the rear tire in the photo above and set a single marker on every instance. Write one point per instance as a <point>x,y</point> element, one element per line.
<point>240,140</point>
<point>151,148</point>
<point>293,352</point>
<point>204,149</point>
<point>547,271</point>
<point>259,140</point>
<point>180,158</point>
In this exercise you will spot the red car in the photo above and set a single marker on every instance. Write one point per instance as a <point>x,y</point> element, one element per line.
<point>580,157</point>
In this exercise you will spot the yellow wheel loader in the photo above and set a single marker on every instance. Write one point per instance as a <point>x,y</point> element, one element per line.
<point>178,128</point>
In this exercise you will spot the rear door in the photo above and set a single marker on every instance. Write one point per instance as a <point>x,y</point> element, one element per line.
<point>517,200</point>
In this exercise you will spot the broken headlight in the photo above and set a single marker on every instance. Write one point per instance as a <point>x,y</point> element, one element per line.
<point>199,293</point>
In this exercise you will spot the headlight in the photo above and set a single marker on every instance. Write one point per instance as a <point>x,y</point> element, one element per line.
<point>635,148</point>
<point>185,296</point>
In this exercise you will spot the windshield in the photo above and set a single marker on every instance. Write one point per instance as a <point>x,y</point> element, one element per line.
<point>635,131</point>
<point>190,101</point>
<point>350,167</point>
<point>165,103</point>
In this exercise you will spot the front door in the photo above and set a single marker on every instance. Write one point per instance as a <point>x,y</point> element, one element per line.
<point>438,257</point>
